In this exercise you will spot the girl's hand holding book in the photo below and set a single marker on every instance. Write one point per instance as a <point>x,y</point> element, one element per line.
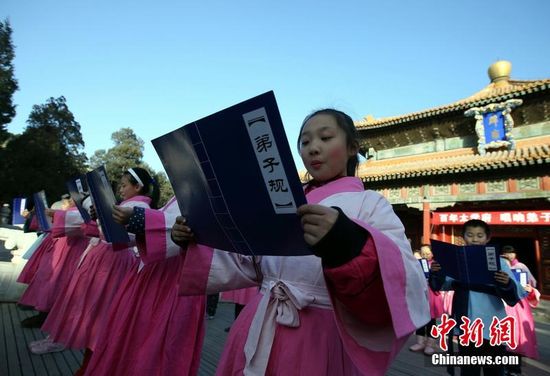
<point>317,220</point>
<point>181,233</point>
<point>122,214</point>
<point>502,278</point>
<point>93,213</point>
<point>435,267</point>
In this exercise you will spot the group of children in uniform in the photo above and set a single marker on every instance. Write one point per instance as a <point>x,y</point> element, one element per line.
<point>347,309</point>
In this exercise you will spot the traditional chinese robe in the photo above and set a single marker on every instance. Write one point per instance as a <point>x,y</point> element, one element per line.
<point>76,317</point>
<point>348,320</point>
<point>150,329</point>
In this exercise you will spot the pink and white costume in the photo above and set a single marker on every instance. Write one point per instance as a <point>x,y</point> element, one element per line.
<point>240,296</point>
<point>29,270</point>
<point>76,316</point>
<point>57,264</point>
<point>435,298</point>
<point>526,338</point>
<point>150,330</point>
<point>348,320</point>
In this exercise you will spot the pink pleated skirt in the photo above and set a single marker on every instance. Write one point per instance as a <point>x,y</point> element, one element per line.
<point>526,338</point>
<point>29,270</point>
<point>76,317</point>
<point>313,348</point>
<point>149,329</point>
<point>53,273</point>
<point>240,296</point>
<point>435,299</point>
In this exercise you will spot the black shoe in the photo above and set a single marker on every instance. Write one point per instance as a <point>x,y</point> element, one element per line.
<point>24,307</point>
<point>34,321</point>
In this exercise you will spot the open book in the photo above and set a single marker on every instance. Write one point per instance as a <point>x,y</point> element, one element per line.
<point>235,180</point>
<point>40,206</point>
<point>469,264</point>
<point>18,206</point>
<point>104,199</point>
<point>520,276</point>
<point>78,189</point>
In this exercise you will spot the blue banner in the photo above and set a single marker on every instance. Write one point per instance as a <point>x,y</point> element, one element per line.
<point>493,125</point>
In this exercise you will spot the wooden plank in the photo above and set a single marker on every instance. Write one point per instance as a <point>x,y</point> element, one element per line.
<point>73,358</point>
<point>3,345</point>
<point>61,362</point>
<point>66,363</point>
<point>21,342</point>
<point>11,347</point>
<point>31,335</point>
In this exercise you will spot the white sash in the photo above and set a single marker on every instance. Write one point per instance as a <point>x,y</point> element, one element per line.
<point>279,305</point>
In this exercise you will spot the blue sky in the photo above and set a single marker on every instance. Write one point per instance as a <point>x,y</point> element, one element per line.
<point>155,66</point>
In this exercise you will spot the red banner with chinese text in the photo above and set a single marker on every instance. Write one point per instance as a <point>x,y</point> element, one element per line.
<point>519,217</point>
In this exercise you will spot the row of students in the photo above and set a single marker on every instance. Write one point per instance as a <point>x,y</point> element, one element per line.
<point>345,310</point>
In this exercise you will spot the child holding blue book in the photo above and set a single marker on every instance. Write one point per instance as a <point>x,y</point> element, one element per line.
<point>478,301</point>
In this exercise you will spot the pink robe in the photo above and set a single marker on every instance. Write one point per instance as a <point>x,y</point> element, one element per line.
<point>526,338</point>
<point>240,296</point>
<point>435,298</point>
<point>348,320</point>
<point>76,317</point>
<point>150,330</point>
<point>57,266</point>
<point>29,270</point>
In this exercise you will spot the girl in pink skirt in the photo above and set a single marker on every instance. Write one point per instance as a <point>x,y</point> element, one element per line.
<point>150,329</point>
<point>345,310</point>
<point>75,319</point>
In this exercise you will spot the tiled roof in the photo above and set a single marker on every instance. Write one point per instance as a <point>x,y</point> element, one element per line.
<point>527,152</point>
<point>491,93</point>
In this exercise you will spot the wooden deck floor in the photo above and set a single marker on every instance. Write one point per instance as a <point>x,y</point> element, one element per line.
<point>16,360</point>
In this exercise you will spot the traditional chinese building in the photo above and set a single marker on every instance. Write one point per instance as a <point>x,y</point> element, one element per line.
<point>486,156</point>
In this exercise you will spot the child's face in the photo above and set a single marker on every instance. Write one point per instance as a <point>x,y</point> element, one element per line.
<point>426,253</point>
<point>510,256</point>
<point>323,148</point>
<point>126,189</point>
<point>475,236</point>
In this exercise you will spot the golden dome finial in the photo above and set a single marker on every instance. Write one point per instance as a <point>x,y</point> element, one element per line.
<point>499,72</point>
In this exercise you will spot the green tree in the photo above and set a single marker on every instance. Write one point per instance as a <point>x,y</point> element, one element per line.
<point>127,152</point>
<point>45,155</point>
<point>8,83</point>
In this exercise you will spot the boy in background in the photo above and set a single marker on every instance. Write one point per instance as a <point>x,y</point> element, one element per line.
<point>478,301</point>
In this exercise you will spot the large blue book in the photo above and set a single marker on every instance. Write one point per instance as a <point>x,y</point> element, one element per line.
<point>17,211</point>
<point>520,276</point>
<point>424,264</point>
<point>469,264</point>
<point>40,206</point>
<point>78,189</point>
<point>104,198</point>
<point>235,180</point>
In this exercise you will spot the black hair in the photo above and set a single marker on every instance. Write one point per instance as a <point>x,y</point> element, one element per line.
<point>150,186</point>
<point>345,122</point>
<point>508,249</point>
<point>476,223</point>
